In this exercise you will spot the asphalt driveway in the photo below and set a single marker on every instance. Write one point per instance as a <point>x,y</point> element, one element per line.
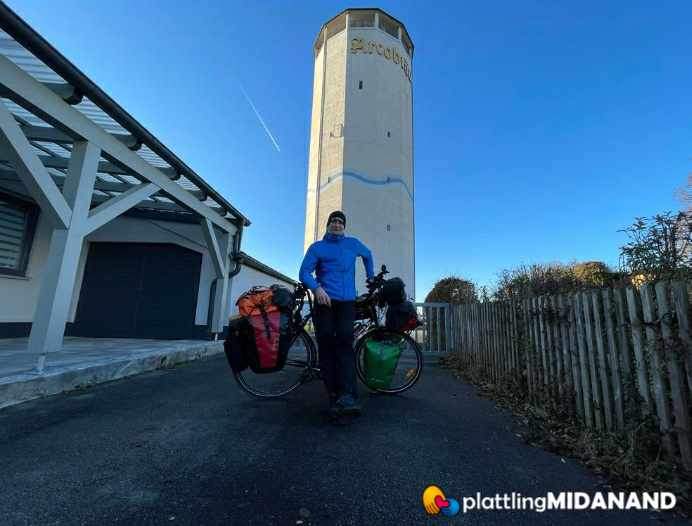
<point>186,446</point>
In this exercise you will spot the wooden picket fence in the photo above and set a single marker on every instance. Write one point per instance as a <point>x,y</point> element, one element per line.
<point>611,354</point>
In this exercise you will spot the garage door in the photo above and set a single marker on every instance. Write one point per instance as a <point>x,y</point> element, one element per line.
<point>138,290</point>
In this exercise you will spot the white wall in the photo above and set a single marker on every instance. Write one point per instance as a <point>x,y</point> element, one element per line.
<point>19,295</point>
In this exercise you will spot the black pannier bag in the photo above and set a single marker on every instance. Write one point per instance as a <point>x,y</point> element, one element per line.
<point>393,291</point>
<point>402,317</point>
<point>239,345</point>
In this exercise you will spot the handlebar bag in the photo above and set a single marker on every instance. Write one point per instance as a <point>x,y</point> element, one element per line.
<point>393,291</point>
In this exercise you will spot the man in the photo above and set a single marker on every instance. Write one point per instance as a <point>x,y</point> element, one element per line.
<point>334,261</point>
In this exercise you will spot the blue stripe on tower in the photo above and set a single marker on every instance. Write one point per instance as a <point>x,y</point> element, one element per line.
<point>367,180</point>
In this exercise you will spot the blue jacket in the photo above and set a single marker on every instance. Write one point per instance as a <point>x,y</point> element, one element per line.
<point>334,261</point>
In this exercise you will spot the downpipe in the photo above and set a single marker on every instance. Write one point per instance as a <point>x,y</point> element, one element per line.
<point>237,258</point>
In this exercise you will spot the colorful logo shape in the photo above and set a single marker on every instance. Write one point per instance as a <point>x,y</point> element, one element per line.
<point>434,502</point>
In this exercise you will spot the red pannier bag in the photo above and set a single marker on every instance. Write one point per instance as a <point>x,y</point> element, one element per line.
<point>268,310</point>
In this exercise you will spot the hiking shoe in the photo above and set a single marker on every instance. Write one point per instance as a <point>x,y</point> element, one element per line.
<point>348,405</point>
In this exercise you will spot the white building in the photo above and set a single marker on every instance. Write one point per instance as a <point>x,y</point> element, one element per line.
<point>254,273</point>
<point>104,232</point>
<point>361,139</point>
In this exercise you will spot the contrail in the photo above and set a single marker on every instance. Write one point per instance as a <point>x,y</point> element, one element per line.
<point>276,144</point>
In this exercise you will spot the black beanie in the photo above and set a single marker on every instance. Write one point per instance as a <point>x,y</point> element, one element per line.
<point>339,214</point>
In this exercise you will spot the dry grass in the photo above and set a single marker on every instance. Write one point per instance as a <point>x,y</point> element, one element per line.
<point>632,460</point>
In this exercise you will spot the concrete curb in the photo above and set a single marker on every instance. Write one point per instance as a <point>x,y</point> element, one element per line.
<point>23,387</point>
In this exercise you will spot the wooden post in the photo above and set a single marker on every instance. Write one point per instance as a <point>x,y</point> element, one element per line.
<point>555,324</point>
<point>496,340</point>
<point>570,303</point>
<point>507,307</point>
<point>542,343</point>
<point>628,380</point>
<point>474,334</point>
<point>583,364</point>
<point>458,325</point>
<point>449,328</point>
<point>564,339</point>
<point>682,310</point>
<point>479,337</point>
<point>488,340</point>
<point>526,341</point>
<point>546,343</point>
<point>678,393</point>
<point>536,347</point>
<point>500,326</point>
<point>602,365</point>
<point>514,335</point>
<point>467,334</point>
<point>473,339</point>
<point>488,347</point>
<point>657,368</point>
<point>591,354</point>
<point>613,353</point>
<point>550,346</point>
<point>461,339</point>
<point>476,337</point>
<point>638,345</point>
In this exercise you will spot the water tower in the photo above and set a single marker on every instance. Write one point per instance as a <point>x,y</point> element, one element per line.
<point>361,137</point>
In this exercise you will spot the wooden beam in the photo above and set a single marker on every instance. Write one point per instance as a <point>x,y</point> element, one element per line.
<point>65,91</point>
<point>218,254</point>
<point>50,134</point>
<point>115,206</point>
<point>35,97</point>
<point>32,173</point>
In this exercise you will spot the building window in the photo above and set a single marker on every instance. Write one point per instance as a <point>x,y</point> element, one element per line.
<point>389,228</point>
<point>360,84</point>
<point>389,134</point>
<point>362,19</point>
<point>17,227</point>
<point>388,25</point>
<point>336,26</point>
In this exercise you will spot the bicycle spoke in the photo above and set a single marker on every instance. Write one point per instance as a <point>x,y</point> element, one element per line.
<point>295,371</point>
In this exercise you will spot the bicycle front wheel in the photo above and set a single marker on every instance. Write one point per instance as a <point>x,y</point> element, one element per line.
<point>301,356</point>
<point>397,357</point>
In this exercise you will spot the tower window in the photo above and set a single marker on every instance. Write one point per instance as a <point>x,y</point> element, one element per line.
<point>360,84</point>
<point>389,134</point>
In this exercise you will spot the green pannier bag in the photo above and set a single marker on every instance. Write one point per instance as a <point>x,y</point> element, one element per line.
<point>381,359</point>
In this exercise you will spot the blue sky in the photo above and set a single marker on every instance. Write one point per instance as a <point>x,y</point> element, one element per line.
<point>540,128</point>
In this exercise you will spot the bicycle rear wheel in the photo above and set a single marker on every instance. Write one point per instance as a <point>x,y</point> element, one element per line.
<point>408,366</point>
<point>301,356</point>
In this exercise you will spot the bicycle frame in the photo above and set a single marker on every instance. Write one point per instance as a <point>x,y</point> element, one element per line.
<point>360,326</point>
